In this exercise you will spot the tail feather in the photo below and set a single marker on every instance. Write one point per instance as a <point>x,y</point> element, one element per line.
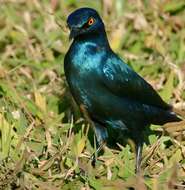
<point>172,117</point>
<point>164,117</point>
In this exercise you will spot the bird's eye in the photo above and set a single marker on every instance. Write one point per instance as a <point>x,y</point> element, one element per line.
<point>90,21</point>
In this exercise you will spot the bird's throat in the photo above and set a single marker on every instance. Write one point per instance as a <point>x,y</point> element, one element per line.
<point>99,38</point>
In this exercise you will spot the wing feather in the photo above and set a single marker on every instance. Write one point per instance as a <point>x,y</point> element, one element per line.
<point>121,80</point>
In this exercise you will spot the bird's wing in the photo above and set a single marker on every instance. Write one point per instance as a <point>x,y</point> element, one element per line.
<point>121,80</point>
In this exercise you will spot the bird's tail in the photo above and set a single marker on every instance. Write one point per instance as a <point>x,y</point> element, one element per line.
<point>165,116</point>
<point>172,117</point>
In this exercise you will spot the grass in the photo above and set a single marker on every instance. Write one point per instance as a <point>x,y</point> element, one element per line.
<point>44,142</point>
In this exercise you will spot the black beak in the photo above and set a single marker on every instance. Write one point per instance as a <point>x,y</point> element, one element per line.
<point>73,33</point>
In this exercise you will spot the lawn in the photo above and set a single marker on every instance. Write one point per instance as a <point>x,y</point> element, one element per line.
<point>44,141</point>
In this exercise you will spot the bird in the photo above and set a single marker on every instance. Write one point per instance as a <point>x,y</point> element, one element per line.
<point>114,96</point>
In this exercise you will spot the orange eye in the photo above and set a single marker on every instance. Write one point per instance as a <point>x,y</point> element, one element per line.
<point>90,21</point>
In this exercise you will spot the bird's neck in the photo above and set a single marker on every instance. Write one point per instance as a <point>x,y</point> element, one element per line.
<point>99,38</point>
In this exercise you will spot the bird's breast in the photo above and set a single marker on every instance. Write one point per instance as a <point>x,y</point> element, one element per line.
<point>83,66</point>
<point>86,58</point>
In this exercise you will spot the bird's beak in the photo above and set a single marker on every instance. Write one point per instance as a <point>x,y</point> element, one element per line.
<point>73,33</point>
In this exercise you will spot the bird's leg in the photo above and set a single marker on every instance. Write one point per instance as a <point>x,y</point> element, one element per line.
<point>95,154</point>
<point>101,136</point>
<point>101,133</point>
<point>139,147</point>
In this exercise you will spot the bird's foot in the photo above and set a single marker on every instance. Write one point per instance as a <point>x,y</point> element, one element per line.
<point>93,159</point>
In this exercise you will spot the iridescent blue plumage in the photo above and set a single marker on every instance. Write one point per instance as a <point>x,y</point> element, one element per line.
<point>114,96</point>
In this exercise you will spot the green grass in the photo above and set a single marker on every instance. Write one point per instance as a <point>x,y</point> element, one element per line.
<point>44,142</point>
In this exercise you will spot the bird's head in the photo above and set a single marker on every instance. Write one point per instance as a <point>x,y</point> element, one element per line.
<point>84,21</point>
